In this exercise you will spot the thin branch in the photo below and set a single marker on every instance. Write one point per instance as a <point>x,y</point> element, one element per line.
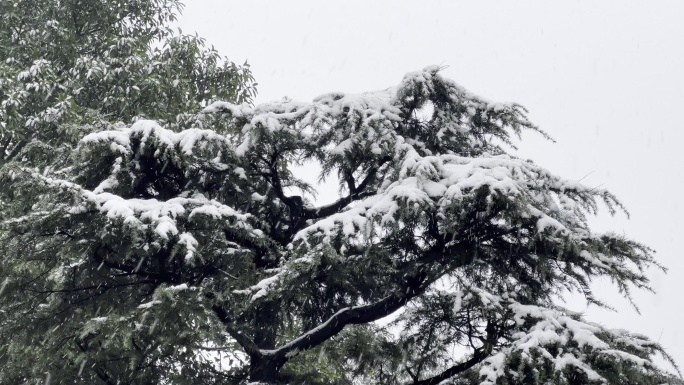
<point>479,355</point>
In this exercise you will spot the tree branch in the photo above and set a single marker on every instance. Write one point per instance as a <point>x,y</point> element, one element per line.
<point>414,285</point>
<point>243,241</point>
<point>132,270</point>
<point>242,340</point>
<point>100,372</point>
<point>335,207</point>
<point>355,193</point>
<point>480,354</point>
<point>277,183</point>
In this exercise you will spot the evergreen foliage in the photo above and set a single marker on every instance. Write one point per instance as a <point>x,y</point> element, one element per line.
<point>186,251</point>
<point>68,65</point>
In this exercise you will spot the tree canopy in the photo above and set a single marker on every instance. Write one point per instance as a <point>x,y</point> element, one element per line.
<point>69,65</point>
<point>143,242</point>
<point>189,257</point>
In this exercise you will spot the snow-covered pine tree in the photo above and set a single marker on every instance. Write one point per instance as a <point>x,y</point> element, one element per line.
<point>68,65</point>
<point>195,256</point>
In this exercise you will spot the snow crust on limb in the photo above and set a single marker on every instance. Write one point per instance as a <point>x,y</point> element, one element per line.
<point>143,130</point>
<point>142,214</point>
<point>564,339</point>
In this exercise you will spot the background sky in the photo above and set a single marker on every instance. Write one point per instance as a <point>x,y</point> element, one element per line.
<point>604,79</point>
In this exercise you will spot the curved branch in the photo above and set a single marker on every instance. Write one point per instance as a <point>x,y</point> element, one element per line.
<point>335,207</point>
<point>355,193</point>
<point>344,317</point>
<point>241,339</point>
<point>480,354</point>
<point>277,184</point>
<point>414,285</point>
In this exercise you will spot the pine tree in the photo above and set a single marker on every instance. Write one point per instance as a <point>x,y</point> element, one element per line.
<point>196,256</point>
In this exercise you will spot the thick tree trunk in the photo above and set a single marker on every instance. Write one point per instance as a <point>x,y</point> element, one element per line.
<point>265,370</point>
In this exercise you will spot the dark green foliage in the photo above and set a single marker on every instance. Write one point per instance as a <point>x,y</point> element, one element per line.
<point>67,65</point>
<point>187,250</point>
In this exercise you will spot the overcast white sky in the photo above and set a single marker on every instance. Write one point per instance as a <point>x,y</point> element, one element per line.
<point>605,79</point>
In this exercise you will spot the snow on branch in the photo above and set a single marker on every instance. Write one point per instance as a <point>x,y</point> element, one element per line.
<point>565,340</point>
